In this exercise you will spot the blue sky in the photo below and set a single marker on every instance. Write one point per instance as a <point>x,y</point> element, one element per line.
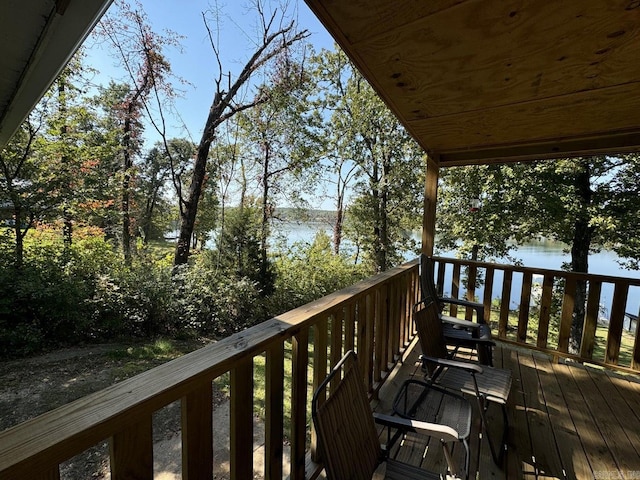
<point>196,63</point>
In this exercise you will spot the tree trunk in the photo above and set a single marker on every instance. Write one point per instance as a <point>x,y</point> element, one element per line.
<point>67,231</point>
<point>378,250</point>
<point>189,207</point>
<point>339,218</point>
<point>265,207</point>
<point>221,101</point>
<point>67,226</point>
<point>19,253</point>
<point>384,213</point>
<point>580,253</point>
<point>127,164</point>
<point>337,227</point>
<point>126,220</point>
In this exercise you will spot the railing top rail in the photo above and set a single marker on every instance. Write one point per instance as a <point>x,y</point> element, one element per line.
<point>91,419</point>
<point>542,271</point>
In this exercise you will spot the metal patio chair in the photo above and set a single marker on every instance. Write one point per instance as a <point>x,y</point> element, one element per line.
<point>458,332</point>
<point>487,384</point>
<point>347,437</point>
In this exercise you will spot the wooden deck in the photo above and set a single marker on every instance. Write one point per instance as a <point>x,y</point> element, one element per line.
<point>565,421</point>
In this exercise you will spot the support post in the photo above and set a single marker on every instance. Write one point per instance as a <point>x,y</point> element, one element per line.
<point>430,198</point>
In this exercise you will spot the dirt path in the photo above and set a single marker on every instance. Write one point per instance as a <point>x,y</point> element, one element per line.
<point>30,387</point>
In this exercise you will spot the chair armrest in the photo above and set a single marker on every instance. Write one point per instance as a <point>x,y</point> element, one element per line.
<point>460,322</point>
<point>445,362</point>
<point>443,432</point>
<point>478,307</point>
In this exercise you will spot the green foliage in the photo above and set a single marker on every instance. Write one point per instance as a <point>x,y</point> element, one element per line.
<point>213,303</point>
<point>238,250</point>
<point>371,150</point>
<point>481,208</point>
<point>589,203</point>
<point>160,349</point>
<point>44,302</point>
<point>308,272</point>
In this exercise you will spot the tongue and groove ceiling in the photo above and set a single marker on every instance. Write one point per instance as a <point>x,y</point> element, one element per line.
<point>481,81</point>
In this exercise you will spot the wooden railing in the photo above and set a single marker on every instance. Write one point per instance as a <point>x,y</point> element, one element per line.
<point>540,315</point>
<point>373,317</point>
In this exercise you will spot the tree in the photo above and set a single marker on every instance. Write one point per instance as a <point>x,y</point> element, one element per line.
<point>275,39</point>
<point>587,203</point>
<point>481,209</point>
<point>154,174</point>
<point>239,245</point>
<point>332,71</point>
<point>284,136</point>
<point>141,53</point>
<point>22,185</point>
<point>389,168</point>
<point>578,199</point>
<point>66,145</point>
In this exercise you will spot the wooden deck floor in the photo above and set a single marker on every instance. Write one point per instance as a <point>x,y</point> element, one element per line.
<point>565,421</point>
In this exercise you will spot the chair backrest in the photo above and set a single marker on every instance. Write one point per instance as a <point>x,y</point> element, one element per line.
<point>345,426</point>
<point>430,332</point>
<point>427,283</point>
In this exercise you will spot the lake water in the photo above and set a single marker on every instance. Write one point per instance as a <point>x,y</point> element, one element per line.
<point>548,255</point>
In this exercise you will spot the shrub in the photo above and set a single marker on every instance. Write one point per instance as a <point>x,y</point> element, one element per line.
<point>308,272</point>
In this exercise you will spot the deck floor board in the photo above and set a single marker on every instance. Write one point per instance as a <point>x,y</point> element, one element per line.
<point>565,421</point>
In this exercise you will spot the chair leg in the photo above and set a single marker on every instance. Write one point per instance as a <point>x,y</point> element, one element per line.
<point>449,459</point>
<point>505,431</point>
<point>467,458</point>
<point>497,456</point>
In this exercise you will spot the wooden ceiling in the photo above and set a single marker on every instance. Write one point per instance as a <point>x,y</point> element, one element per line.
<point>481,81</point>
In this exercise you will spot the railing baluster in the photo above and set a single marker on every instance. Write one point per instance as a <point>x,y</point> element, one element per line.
<point>415,298</point>
<point>545,311</point>
<point>568,302</point>
<point>300,362</point>
<point>635,359</point>
<point>361,328</point>
<point>336,339</point>
<point>503,322</point>
<point>455,289</point>
<point>395,325</point>
<point>389,327</point>
<point>274,412</point>
<point>525,303</point>
<point>614,338</point>
<point>379,339</point>
<point>131,451</point>
<point>365,359</point>
<point>488,292</point>
<point>591,320</point>
<point>197,433</point>
<point>349,326</point>
<point>241,419</point>
<point>471,289</point>
<point>320,344</point>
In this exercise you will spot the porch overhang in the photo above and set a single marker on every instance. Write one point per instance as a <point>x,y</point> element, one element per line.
<point>37,39</point>
<point>487,81</point>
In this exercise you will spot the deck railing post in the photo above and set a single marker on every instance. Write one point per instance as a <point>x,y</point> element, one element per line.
<point>132,451</point>
<point>588,341</point>
<point>274,411</point>
<point>197,433</point>
<point>241,420</point>
<point>300,362</point>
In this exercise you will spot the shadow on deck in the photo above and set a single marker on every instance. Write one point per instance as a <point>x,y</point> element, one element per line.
<point>566,420</point>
